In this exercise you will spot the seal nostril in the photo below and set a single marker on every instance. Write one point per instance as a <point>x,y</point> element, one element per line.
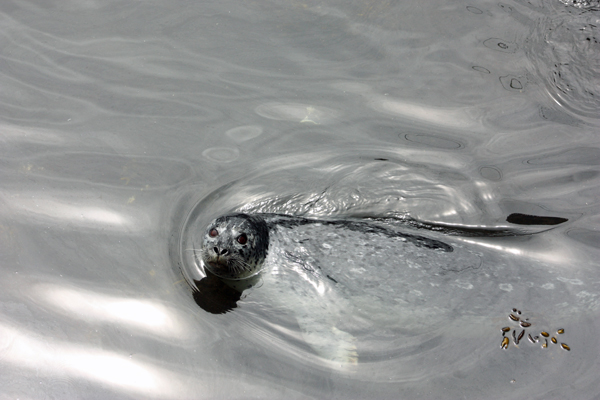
<point>216,249</point>
<point>223,252</point>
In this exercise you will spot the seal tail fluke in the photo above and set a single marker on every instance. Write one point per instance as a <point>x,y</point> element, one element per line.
<point>533,227</point>
<point>334,346</point>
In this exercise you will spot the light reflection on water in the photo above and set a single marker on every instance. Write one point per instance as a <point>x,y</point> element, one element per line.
<point>138,314</point>
<point>53,209</point>
<point>48,358</point>
<point>119,119</point>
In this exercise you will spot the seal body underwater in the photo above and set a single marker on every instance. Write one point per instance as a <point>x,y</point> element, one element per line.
<point>335,276</point>
<point>235,246</point>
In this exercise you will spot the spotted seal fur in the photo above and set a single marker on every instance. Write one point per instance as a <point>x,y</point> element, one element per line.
<point>235,246</point>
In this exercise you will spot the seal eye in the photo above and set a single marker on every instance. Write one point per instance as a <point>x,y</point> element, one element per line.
<point>242,239</point>
<point>213,232</point>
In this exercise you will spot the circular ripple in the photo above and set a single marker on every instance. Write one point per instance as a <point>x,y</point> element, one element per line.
<point>481,69</point>
<point>513,83</point>
<point>474,10</point>
<point>297,112</point>
<point>500,45</point>
<point>243,133</point>
<point>565,51</point>
<point>434,141</point>
<point>221,154</point>
<point>490,173</point>
<point>426,313</point>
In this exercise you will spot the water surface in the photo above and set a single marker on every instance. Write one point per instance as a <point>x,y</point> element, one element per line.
<point>121,120</point>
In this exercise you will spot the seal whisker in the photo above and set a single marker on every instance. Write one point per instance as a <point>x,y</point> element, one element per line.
<point>239,265</point>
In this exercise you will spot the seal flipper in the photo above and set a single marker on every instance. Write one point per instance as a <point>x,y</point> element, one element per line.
<point>335,346</point>
<point>317,322</point>
<point>317,305</point>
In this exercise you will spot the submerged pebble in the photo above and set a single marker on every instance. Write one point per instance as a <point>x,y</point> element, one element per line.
<point>520,336</point>
<point>523,323</point>
<point>531,339</point>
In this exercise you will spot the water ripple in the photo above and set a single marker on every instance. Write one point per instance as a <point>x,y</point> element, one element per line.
<point>565,50</point>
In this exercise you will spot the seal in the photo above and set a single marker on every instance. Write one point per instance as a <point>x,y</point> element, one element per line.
<point>235,246</point>
<point>299,265</point>
<point>235,249</point>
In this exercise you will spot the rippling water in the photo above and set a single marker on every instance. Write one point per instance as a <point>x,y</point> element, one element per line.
<point>127,126</point>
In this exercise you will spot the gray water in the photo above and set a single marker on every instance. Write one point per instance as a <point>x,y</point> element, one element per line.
<point>122,121</point>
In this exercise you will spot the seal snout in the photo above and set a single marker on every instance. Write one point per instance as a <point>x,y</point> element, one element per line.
<point>220,258</point>
<point>222,252</point>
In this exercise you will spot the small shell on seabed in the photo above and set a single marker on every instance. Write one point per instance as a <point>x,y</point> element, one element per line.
<point>544,334</point>
<point>545,344</point>
<point>525,324</point>
<point>521,335</point>
<point>553,340</point>
<point>513,317</point>
<point>531,339</point>
<point>565,346</point>
<point>506,329</point>
<point>504,344</point>
<point>514,335</point>
<point>560,331</point>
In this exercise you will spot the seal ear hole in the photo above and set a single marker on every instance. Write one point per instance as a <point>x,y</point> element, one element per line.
<point>213,233</point>
<point>242,239</point>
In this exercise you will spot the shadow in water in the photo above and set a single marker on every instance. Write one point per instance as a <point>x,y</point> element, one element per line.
<point>214,296</point>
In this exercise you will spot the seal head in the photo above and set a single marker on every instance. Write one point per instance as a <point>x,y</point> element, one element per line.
<point>235,246</point>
